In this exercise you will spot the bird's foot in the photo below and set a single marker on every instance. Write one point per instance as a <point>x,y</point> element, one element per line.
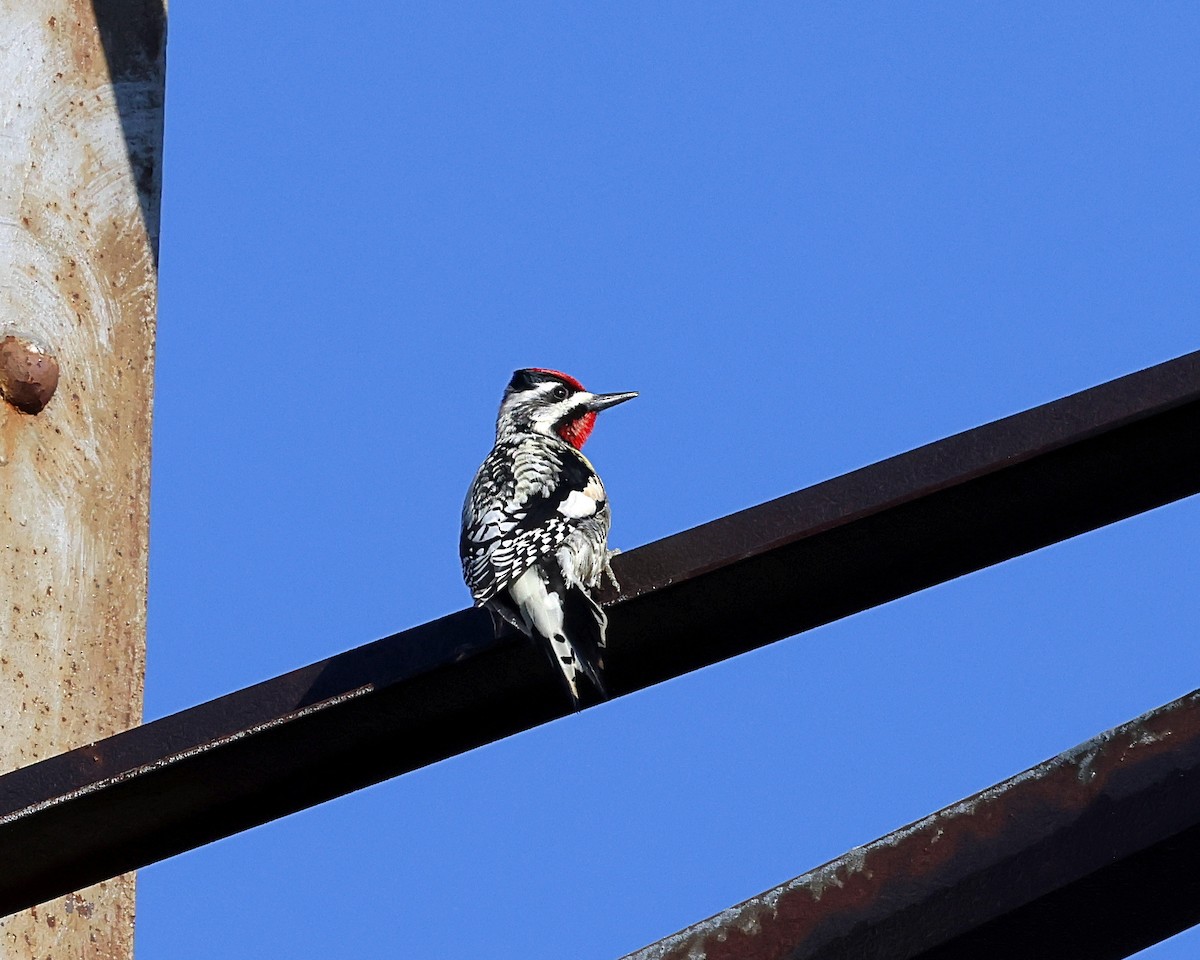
<point>608,569</point>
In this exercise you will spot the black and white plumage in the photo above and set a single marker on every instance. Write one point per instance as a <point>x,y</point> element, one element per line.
<point>535,523</point>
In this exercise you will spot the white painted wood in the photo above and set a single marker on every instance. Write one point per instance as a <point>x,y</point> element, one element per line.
<point>78,276</point>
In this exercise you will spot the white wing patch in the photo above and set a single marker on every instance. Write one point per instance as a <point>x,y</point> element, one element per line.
<point>584,503</point>
<point>577,506</point>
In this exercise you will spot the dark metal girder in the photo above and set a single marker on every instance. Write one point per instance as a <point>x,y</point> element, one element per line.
<point>1089,856</point>
<point>427,693</point>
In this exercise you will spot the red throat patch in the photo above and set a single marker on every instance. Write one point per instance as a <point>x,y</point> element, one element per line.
<point>577,431</point>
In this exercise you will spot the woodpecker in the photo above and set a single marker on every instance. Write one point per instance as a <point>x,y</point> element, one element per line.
<point>535,523</point>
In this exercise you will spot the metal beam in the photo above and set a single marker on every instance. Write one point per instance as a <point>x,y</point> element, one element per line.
<point>691,599</point>
<point>1089,856</point>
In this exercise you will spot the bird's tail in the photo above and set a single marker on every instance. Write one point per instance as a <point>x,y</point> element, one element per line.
<point>584,628</point>
<point>570,627</point>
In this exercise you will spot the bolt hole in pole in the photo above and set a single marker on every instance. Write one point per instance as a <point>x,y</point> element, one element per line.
<point>28,374</point>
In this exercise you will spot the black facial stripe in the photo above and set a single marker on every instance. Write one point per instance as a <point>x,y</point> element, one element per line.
<point>570,416</point>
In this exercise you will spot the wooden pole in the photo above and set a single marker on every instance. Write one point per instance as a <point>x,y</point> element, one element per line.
<point>81,98</point>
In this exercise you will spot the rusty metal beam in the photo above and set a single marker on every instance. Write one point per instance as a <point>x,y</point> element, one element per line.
<point>692,599</point>
<point>1089,856</point>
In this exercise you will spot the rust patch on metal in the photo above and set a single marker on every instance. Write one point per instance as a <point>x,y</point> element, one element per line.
<point>811,914</point>
<point>28,374</point>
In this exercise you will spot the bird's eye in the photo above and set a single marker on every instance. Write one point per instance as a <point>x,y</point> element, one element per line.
<point>559,392</point>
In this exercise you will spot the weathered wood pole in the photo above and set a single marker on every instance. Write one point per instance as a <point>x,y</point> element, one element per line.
<point>81,111</point>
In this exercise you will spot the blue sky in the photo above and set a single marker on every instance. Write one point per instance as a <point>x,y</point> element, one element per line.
<point>811,236</point>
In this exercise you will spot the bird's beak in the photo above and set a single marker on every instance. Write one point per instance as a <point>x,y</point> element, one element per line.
<point>602,401</point>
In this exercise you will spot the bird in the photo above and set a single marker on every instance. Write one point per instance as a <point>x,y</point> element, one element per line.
<point>534,540</point>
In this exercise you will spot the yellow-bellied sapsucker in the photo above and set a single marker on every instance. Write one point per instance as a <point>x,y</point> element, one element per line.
<point>535,523</point>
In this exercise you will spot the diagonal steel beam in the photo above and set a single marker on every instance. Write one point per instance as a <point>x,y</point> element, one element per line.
<point>1088,856</point>
<point>692,599</point>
